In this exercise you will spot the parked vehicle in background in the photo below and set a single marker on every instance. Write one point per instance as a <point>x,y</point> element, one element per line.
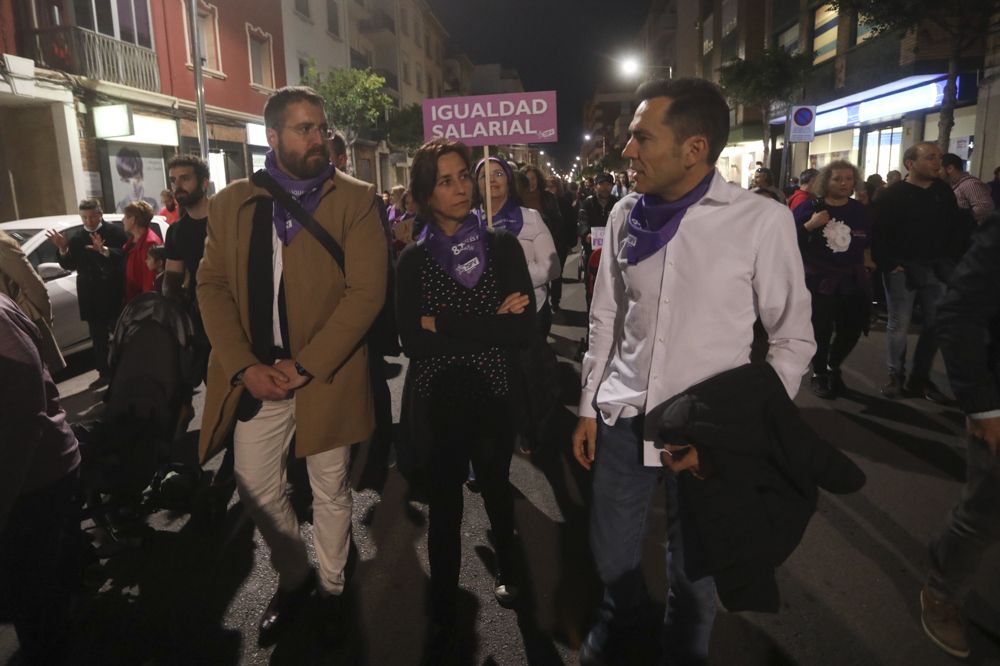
<point>72,334</point>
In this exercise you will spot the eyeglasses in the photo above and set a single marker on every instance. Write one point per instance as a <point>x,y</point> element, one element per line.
<point>494,175</point>
<point>306,130</point>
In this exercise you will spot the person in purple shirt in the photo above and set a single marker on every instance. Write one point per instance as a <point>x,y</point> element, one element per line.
<point>39,524</point>
<point>834,236</point>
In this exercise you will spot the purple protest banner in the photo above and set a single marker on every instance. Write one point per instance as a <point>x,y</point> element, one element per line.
<point>493,119</point>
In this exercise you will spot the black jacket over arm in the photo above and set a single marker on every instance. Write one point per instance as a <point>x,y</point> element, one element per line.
<point>763,466</point>
<point>968,326</point>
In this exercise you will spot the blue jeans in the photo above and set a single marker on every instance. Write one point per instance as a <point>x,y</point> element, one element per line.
<point>974,525</point>
<point>622,488</point>
<point>899,300</point>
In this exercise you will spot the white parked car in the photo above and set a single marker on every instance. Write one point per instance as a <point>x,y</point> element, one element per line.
<point>72,335</point>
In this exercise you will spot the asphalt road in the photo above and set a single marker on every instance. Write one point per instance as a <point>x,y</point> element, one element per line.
<point>191,594</point>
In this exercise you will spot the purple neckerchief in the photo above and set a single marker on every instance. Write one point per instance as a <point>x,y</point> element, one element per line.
<point>306,192</point>
<point>462,256</point>
<point>653,222</point>
<point>509,218</point>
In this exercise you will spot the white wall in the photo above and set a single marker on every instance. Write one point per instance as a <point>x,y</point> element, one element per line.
<point>307,37</point>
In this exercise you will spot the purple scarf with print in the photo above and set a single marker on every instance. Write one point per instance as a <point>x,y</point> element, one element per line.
<point>306,192</point>
<point>509,218</point>
<point>462,256</point>
<point>653,222</point>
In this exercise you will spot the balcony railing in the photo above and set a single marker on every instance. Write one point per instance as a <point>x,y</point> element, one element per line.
<point>96,56</point>
<point>379,21</point>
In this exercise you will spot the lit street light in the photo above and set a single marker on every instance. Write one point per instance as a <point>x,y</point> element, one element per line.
<point>586,137</point>
<point>631,67</point>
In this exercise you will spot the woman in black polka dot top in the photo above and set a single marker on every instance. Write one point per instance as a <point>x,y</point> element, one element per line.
<point>464,300</point>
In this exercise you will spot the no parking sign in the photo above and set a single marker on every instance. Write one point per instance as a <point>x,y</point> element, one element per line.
<point>803,123</point>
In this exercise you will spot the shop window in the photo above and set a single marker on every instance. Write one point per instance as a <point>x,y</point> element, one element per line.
<point>863,30</point>
<point>824,34</point>
<point>707,34</point>
<point>789,39</point>
<point>261,58</point>
<point>333,17</point>
<point>882,150</point>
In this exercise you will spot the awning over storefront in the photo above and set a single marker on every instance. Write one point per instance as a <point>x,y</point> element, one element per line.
<point>892,100</point>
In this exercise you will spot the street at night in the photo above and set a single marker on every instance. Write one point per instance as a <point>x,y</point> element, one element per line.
<point>849,593</point>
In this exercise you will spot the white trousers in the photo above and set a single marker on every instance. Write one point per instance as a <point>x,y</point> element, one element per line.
<point>261,446</point>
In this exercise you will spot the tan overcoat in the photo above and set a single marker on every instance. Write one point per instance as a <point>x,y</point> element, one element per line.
<point>20,281</point>
<point>328,314</point>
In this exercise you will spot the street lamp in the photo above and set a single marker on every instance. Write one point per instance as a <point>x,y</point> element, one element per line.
<point>631,67</point>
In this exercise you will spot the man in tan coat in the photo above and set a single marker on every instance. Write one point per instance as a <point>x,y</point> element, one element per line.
<point>287,328</point>
<point>20,281</point>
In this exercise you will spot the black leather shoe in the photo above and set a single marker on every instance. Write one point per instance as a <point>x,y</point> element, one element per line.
<point>283,605</point>
<point>441,648</point>
<point>505,590</point>
<point>823,387</point>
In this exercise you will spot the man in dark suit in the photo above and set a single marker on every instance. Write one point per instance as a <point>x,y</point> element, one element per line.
<point>95,253</point>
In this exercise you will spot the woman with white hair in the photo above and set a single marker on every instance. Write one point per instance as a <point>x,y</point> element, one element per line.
<point>835,239</point>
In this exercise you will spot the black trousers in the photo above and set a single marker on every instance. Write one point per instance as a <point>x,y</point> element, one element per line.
<point>100,333</point>
<point>489,447</point>
<point>382,437</point>
<point>40,569</point>
<point>838,322</point>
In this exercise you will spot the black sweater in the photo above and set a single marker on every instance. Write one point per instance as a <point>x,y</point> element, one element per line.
<point>917,225</point>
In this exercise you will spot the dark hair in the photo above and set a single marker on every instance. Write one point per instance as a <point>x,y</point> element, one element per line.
<point>423,172</point>
<point>806,176</point>
<point>199,165</point>
<point>141,212</point>
<point>158,252</point>
<point>128,163</point>
<point>91,204</point>
<point>768,176</point>
<point>338,144</point>
<point>274,107</point>
<point>953,160</point>
<point>539,176</point>
<point>696,107</point>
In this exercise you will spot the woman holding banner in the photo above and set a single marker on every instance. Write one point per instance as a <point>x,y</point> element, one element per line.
<point>464,300</point>
<point>529,227</point>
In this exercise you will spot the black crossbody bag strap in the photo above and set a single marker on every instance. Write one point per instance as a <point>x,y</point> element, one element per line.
<point>263,179</point>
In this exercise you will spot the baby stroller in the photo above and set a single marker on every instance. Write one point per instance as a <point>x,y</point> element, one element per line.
<point>130,456</point>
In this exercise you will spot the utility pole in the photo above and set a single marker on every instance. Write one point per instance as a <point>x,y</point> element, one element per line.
<point>199,79</point>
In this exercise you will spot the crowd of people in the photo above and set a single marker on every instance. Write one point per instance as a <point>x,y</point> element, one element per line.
<point>290,278</point>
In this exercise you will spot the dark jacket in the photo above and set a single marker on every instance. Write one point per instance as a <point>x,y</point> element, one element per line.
<point>922,226</point>
<point>457,336</point>
<point>762,466</point>
<point>968,324</point>
<point>593,214</point>
<point>100,280</point>
<point>37,447</point>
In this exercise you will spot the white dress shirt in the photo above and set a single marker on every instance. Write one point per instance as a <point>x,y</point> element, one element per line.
<point>277,271</point>
<point>540,253</point>
<point>687,312</point>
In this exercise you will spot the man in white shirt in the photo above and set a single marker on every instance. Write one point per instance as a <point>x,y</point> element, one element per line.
<point>690,263</point>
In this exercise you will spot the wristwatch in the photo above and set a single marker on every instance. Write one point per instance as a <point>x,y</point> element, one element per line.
<point>302,371</point>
